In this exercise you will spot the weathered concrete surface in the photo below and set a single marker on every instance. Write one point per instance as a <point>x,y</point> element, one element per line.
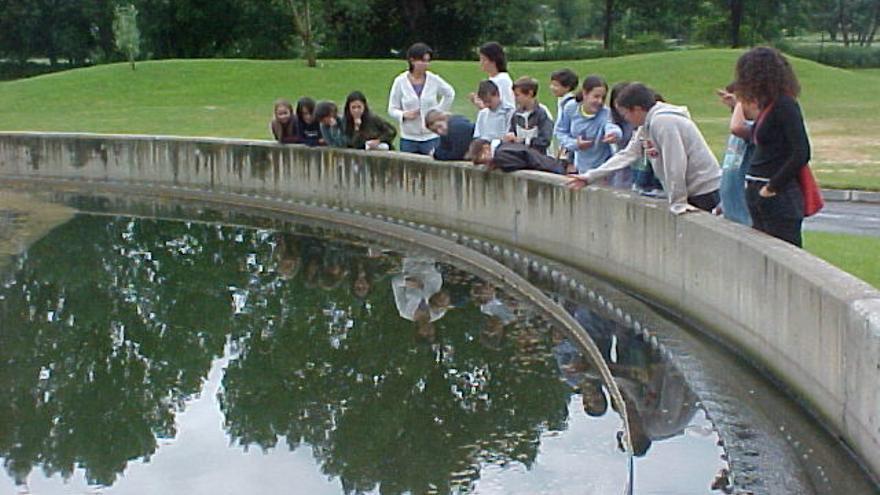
<point>812,326</point>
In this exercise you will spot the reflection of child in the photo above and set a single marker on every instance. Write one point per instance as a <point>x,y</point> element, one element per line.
<point>593,397</point>
<point>417,290</point>
<point>289,260</point>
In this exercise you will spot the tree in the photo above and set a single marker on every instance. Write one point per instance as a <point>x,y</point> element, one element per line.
<point>608,24</point>
<point>126,32</point>
<point>737,8</point>
<point>302,21</point>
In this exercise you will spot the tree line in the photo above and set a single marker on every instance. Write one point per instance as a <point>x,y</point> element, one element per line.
<point>81,31</point>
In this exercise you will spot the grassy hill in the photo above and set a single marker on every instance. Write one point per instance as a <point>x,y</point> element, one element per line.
<point>233,98</point>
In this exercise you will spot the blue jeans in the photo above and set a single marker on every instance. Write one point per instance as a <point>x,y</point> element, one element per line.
<point>420,147</point>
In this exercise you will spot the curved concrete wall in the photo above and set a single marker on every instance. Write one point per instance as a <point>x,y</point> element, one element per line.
<point>812,326</point>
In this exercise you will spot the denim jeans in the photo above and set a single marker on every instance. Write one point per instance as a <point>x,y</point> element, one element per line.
<point>420,147</point>
<point>781,215</point>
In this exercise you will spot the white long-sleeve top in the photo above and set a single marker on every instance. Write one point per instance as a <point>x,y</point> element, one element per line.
<point>505,87</point>
<point>437,94</point>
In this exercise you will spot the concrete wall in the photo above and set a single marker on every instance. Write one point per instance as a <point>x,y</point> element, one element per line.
<point>812,326</point>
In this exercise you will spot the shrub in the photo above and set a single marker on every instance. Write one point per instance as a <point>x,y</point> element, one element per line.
<point>852,57</point>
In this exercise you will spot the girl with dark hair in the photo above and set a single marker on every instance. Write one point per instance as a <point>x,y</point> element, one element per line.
<point>494,63</point>
<point>413,94</point>
<point>364,130</point>
<point>586,128</point>
<point>773,193</point>
<point>309,127</point>
<point>284,125</point>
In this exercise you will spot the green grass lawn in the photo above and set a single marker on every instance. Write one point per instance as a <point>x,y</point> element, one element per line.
<point>233,98</point>
<point>851,253</point>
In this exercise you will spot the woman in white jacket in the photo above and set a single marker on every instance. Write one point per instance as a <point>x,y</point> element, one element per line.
<point>415,93</point>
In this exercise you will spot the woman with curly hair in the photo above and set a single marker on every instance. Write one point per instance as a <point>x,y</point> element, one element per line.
<point>773,193</point>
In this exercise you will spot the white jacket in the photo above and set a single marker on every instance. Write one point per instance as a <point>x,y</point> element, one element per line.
<point>437,94</point>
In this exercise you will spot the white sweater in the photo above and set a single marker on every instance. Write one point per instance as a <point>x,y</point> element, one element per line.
<point>437,94</point>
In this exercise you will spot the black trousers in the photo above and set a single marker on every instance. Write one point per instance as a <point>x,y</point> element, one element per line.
<point>706,202</point>
<point>781,215</point>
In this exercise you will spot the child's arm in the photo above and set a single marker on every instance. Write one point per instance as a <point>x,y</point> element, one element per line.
<point>620,161</point>
<point>739,126</point>
<point>478,125</point>
<point>563,129</point>
<point>387,132</point>
<point>612,129</point>
<point>545,131</point>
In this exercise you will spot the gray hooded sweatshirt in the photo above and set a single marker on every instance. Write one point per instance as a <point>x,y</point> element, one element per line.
<point>683,162</point>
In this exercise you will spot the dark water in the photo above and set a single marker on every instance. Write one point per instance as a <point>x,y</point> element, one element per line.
<point>146,356</point>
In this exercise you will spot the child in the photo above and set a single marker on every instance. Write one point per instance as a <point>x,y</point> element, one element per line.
<point>585,127</point>
<point>331,125</point>
<point>493,62</point>
<point>309,127</point>
<point>563,84</point>
<point>456,133</point>
<point>284,125</point>
<point>530,124</point>
<point>364,130</point>
<point>493,121</point>
<point>640,174</point>
<point>510,157</point>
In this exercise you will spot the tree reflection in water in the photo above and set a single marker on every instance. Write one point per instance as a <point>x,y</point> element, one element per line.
<point>111,324</point>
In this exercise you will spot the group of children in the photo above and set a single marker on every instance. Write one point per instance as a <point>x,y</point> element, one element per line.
<point>512,131</point>
<point>319,124</point>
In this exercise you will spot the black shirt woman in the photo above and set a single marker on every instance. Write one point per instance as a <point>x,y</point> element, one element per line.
<point>782,148</point>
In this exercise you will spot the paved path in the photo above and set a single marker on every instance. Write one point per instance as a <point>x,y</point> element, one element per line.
<point>847,217</point>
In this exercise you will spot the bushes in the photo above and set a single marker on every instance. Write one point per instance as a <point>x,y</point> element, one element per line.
<point>645,43</point>
<point>852,57</point>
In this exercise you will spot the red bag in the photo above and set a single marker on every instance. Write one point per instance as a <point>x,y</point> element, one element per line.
<point>813,200</point>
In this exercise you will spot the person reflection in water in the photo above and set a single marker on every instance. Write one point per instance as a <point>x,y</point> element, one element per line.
<point>659,403</point>
<point>500,315</point>
<point>288,257</point>
<point>419,295</point>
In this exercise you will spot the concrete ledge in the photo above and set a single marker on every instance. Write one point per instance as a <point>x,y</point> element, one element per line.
<point>865,196</point>
<point>814,327</point>
<point>837,194</point>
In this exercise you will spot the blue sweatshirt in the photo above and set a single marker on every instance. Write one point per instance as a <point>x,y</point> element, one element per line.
<point>454,144</point>
<point>573,124</point>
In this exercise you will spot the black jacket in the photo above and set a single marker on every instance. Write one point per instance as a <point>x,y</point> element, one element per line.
<point>454,145</point>
<point>510,157</point>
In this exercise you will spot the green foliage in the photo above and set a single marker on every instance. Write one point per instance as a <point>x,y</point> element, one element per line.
<point>849,57</point>
<point>643,43</point>
<point>126,32</point>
